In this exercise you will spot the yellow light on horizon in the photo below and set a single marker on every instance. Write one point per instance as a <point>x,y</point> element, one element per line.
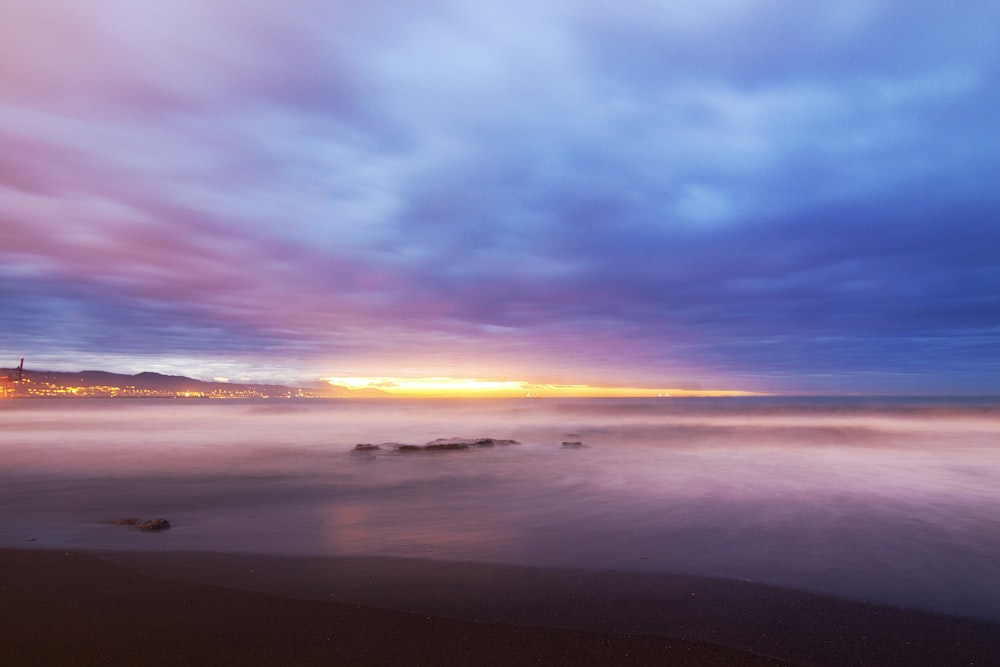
<point>470,387</point>
<point>428,386</point>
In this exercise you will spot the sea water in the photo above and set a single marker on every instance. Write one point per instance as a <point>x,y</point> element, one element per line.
<point>892,501</point>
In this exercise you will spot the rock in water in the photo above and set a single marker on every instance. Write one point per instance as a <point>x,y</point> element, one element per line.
<point>489,442</point>
<point>439,445</point>
<point>148,526</point>
<point>446,446</point>
<point>154,525</point>
<point>574,445</point>
<point>471,442</point>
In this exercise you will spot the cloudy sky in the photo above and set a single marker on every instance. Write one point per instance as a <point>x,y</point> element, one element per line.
<point>777,196</point>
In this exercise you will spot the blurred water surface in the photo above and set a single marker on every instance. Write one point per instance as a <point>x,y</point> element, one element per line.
<point>894,501</point>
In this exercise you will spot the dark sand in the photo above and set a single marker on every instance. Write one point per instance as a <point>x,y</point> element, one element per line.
<point>802,628</point>
<point>73,609</point>
<point>155,608</point>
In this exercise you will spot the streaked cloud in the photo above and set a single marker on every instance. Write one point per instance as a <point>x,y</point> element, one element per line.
<point>760,196</point>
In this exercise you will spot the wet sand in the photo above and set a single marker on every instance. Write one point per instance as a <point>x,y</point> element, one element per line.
<point>59,608</point>
<point>174,608</point>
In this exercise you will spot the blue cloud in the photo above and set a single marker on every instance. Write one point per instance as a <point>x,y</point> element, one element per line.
<point>763,195</point>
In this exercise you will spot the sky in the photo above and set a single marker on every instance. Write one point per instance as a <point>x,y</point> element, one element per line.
<point>769,196</point>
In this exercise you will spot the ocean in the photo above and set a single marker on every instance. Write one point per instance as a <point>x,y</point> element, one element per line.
<point>889,501</point>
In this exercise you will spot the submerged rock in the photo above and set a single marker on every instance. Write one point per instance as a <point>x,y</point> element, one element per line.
<point>445,446</point>
<point>439,445</point>
<point>472,442</point>
<point>148,526</point>
<point>490,442</point>
<point>154,524</point>
<point>576,444</point>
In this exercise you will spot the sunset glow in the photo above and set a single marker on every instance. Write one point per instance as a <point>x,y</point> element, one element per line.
<point>470,388</point>
<point>435,386</point>
<point>603,198</point>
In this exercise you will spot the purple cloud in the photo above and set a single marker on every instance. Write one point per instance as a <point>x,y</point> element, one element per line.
<point>762,196</point>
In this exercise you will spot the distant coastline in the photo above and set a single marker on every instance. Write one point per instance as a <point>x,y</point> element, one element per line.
<point>18,383</point>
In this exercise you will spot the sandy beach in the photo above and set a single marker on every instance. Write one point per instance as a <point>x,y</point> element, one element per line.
<point>70,608</point>
<point>61,607</point>
<point>703,533</point>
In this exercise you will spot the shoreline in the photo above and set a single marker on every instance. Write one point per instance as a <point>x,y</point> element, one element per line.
<point>518,614</point>
<point>79,608</point>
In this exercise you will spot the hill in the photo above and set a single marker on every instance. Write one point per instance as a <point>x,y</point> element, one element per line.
<point>147,384</point>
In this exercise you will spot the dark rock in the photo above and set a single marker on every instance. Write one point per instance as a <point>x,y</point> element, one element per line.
<point>439,445</point>
<point>448,441</point>
<point>472,442</point>
<point>154,525</point>
<point>444,446</point>
<point>148,526</point>
<point>574,445</point>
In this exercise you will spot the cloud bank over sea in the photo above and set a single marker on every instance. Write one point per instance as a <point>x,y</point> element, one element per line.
<point>767,196</point>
